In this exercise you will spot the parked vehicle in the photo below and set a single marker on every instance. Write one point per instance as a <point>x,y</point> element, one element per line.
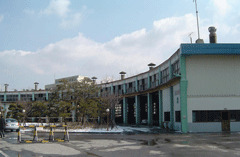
<point>11,124</point>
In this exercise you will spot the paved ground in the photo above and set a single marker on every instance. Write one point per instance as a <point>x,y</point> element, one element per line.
<point>127,145</point>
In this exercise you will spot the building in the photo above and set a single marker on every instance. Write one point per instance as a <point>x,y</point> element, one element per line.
<point>8,97</point>
<point>196,90</point>
<point>76,78</point>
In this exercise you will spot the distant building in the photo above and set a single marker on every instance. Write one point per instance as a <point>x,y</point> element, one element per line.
<point>76,78</point>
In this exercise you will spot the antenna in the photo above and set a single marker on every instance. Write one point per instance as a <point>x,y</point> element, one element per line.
<point>190,36</point>
<point>197,18</point>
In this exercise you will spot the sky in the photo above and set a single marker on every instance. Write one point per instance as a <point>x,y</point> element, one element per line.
<point>44,40</point>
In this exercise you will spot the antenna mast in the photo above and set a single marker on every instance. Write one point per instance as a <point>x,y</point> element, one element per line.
<point>197,18</point>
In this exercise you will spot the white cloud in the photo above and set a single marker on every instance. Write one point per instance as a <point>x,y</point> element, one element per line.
<point>80,55</point>
<point>1,18</point>
<point>222,7</point>
<point>58,7</point>
<point>72,21</point>
<point>61,8</point>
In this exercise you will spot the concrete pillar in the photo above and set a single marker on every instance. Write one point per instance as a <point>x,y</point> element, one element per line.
<point>125,111</point>
<point>150,111</point>
<point>160,108</point>
<point>136,84</point>
<point>19,96</point>
<point>149,83</point>
<point>137,108</point>
<point>170,69</point>
<point>124,88</point>
<point>183,95</point>
<point>5,97</point>
<point>171,109</point>
<point>33,98</point>
<point>47,95</point>
<point>160,75</point>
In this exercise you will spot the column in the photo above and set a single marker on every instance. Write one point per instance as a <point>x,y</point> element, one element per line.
<point>19,96</point>
<point>33,96</point>
<point>137,103</point>
<point>47,95</point>
<point>160,108</point>
<point>136,84</point>
<point>5,97</point>
<point>149,83</point>
<point>150,112</point>
<point>159,75</point>
<point>183,95</point>
<point>125,111</point>
<point>171,109</point>
<point>170,69</point>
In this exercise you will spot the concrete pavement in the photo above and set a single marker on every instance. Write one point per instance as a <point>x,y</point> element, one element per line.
<point>118,145</point>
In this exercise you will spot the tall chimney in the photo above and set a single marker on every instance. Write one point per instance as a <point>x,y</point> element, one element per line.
<point>122,74</point>
<point>6,87</point>
<point>212,35</point>
<point>36,85</point>
<point>94,79</point>
<point>151,66</point>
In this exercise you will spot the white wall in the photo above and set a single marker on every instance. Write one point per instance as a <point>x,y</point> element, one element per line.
<point>176,95</point>
<point>213,75</point>
<point>213,83</point>
<point>166,100</point>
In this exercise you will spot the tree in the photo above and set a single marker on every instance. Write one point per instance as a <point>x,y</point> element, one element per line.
<point>16,111</point>
<point>85,100</point>
<point>60,101</point>
<point>39,109</point>
<point>108,101</point>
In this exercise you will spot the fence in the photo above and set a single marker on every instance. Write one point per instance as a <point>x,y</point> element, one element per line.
<point>51,134</point>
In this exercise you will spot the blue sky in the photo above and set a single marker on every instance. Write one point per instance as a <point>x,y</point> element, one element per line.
<point>43,40</point>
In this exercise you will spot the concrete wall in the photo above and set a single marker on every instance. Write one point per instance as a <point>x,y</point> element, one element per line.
<point>213,83</point>
<point>213,75</point>
<point>166,101</point>
<point>212,103</point>
<point>205,127</point>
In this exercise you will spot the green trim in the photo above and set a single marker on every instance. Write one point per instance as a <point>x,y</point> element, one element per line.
<point>159,75</point>
<point>137,107</point>
<point>5,97</point>
<point>183,95</point>
<point>19,96</point>
<point>160,108</point>
<point>33,96</point>
<point>170,69</point>
<point>136,84</point>
<point>171,109</point>
<point>124,87</point>
<point>125,114</point>
<point>111,88</point>
<point>150,111</point>
<point>149,83</point>
<point>47,95</point>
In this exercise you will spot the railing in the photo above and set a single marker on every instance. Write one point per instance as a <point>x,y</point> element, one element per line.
<point>51,134</point>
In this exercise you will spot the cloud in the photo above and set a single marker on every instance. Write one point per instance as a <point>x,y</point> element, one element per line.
<point>222,7</point>
<point>1,18</point>
<point>57,7</point>
<point>72,21</point>
<point>61,8</point>
<point>80,55</point>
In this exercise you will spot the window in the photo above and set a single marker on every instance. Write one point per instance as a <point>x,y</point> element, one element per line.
<point>165,75</point>
<point>206,116</point>
<point>177,116</point>
<point>175,67</point>
<point>166,116</point>
<point>235,115</point>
